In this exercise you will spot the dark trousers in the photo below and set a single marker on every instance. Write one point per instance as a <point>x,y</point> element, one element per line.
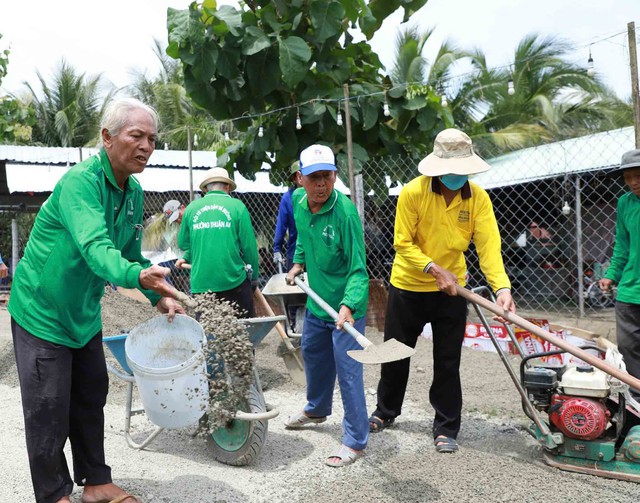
<point>64,391</point>
<point>628,337</point>
<point>242,296</point>
<point>407,313</point>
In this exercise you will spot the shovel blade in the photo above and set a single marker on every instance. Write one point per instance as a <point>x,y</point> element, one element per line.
<point>293,362</point>
<point>389,351</point>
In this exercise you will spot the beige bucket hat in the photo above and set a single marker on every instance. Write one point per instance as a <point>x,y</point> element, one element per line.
<point>452,154</point>
<point>217,175</point>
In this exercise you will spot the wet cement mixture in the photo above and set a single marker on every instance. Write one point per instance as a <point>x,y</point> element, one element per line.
<point>497,461</point>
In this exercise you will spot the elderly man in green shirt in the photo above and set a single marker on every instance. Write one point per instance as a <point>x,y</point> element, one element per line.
<point>88,231</point>
<point>625,266</point>
<point>219,242</point>
<point>331,246</point>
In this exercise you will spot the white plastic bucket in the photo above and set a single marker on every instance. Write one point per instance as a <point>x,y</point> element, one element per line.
<point>168,363</point>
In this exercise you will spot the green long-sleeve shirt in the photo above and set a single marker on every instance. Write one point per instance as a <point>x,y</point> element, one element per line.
<point>218,240</point>
<point>625,262</point>
<point>87,231</point>
<point>331,246</point>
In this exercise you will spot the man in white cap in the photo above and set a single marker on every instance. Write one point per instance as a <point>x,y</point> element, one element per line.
<point>438,214</point>
<point>625,266</point>
<point>219,242</point>
<point>330,246</point>
<point>173,211</point>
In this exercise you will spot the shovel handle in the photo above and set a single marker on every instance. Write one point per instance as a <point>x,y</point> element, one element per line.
<point>348,327</point>
<point>548,336</point>
<point>265,305</point>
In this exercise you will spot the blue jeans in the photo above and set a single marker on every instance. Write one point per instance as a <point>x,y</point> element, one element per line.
<point>324,350</point>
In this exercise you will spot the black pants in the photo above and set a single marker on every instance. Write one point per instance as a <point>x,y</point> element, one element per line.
<point>407,313</point>
<point>64,391</point>
<point>242,297</point>
<point>628,337</point>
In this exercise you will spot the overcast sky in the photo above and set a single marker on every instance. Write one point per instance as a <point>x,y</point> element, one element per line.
<point>116,37</point>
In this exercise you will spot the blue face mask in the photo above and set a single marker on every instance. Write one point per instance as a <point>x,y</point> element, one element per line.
<point>454,182</point>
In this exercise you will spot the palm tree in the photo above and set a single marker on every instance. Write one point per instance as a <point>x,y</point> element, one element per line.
<point>412,66</point>
<point>166,93</point>
<point>551,99</point>
<point>68,112</point>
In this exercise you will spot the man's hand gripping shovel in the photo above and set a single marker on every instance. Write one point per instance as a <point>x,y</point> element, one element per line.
<point>388,351</point>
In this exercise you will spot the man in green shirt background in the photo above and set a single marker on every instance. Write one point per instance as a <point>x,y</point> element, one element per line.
<point>87,232</point>
<point>219,242</point>
<point>625,266</point>
<point>330,245</point>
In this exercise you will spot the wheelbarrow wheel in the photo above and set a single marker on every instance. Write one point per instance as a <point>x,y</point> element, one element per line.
<point>240,442</point>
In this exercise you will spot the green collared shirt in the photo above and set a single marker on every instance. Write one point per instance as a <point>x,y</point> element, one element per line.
<point>218,240</point>
<point>331,246</point>
<point>89,230</point>
<point>625,262</point>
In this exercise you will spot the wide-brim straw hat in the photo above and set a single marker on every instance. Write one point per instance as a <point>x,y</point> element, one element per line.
<point>452,154</point>
<point>217,175</point>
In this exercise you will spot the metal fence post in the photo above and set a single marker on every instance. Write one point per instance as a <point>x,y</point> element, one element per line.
<point>15,245</point>
<point>579,258</point>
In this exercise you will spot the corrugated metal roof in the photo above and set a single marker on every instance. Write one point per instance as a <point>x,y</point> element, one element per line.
<point>577,155</point>
<point>61,156</point>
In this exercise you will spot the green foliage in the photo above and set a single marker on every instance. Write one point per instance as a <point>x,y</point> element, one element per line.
<point>166,93</point>
<point>16,117</point>
<point>553,99</point>
<point>270,60</point>
<point>68,111</point>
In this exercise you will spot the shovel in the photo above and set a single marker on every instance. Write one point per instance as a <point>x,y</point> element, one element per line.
<point>548,336</point>
<point>292,357</point>
<point>389,351</point>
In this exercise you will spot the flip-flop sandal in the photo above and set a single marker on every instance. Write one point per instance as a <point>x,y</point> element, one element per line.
<point>345,457</point>
<point>376,425</point>
<point>301,419</point>
<point>447,444</point>
<point>125,498</point>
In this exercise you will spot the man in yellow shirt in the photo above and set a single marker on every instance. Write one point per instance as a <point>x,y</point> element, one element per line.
<point>437,216</point>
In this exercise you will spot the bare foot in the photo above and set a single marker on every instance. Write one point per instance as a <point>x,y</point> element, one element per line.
<point>65,499</point>
<point>104,493</point>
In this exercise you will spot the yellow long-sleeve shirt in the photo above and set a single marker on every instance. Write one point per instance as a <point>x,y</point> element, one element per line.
<point>426,231</point>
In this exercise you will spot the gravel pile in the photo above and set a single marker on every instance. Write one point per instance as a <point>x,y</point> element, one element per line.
<point>497,462</point>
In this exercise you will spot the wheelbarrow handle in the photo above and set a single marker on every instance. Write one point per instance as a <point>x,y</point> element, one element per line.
<point>549,337</point>
<point>348,327</point>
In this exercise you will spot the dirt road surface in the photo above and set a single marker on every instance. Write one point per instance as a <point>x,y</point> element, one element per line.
<point>497,462</point>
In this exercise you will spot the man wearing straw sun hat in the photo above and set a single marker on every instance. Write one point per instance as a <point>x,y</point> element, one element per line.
<point>218,240</point>
<point>437,216</point>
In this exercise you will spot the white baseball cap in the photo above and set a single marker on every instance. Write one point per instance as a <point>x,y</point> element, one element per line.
<point>171,210</point>
<point>317,158</point>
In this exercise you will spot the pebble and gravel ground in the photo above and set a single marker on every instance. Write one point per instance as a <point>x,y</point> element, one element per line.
<point>497,462</point>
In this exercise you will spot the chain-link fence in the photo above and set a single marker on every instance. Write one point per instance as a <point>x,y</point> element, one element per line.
<point>555,206</point>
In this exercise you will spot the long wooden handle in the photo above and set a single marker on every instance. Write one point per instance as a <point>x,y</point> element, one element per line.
<point>265,305</point>
<point>548,336</point>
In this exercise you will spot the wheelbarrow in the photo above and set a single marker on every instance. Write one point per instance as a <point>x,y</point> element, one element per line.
<point>241,440</point>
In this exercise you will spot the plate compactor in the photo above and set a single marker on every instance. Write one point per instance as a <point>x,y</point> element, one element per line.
<point>584,417</point>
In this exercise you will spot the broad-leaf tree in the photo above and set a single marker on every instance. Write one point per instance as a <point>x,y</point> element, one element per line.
<point>263,64</point>
<point>166,93</point>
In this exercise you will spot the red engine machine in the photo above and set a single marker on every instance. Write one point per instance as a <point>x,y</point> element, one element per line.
<point>580,418</point>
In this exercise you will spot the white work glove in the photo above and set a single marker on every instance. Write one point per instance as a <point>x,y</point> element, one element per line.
<point>277,258</point>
